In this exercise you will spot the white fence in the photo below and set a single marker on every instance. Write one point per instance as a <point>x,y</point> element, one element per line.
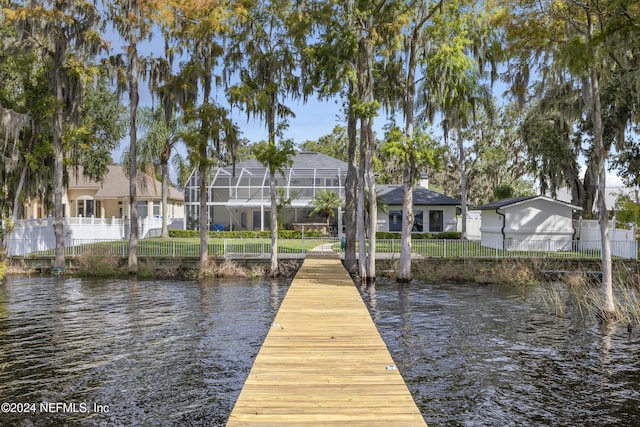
<point>473,227</point>
<point>385,248</point>
<point>588,231</point>
<point>36,235</point>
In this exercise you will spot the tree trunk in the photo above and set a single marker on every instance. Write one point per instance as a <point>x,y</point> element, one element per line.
<point>608,306</point>
<point>351,196</point>
<point>203,161</point>
<point>164,171</point>
<point>591,177</point>
<point>58,157</point>
<point>271,128</point>
<point>133,163</point>
<point>404,270</point>
<point>362,242</point>
<point>203,216</point>
<point>373,204</point>
<point>463,183</point>
<point>274,222</point>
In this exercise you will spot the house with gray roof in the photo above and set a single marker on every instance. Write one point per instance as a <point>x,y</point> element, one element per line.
<point>433,212</point>
<point>238,198</point>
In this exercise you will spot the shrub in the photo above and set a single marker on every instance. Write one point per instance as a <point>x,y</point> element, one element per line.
<point>244,234</point>
<point>418,236</point>
<point>448,235</point>
<point>94,263</point>
<point>228,268</point>
<point>509,272</point>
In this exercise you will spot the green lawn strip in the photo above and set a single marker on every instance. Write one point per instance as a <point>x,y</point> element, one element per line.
<point>187,247</point>
<point>190,247</point>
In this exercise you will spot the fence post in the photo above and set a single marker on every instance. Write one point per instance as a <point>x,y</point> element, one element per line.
<point>123,254</point>
<point>445,248</point>
<point>224,248</point>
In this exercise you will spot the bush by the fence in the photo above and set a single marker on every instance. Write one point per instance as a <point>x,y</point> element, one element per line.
<point>448,235</point>
<point>243,234</point>
<point>418,236</point>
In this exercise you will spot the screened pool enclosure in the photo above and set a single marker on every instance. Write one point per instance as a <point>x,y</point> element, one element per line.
<point>239,198</point>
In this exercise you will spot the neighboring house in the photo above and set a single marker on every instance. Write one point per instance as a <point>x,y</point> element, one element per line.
<point>110,198</point>
<point>238,198</point>
<point>433,212</point>
<point>507,222</point>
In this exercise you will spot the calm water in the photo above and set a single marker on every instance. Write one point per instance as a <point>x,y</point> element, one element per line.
<point>155,353</point>
<point>177,353</point>
<point>488,356</point>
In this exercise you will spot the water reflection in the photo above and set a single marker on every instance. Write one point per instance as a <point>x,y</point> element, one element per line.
<point>153,353</point>
<point>486,355</point>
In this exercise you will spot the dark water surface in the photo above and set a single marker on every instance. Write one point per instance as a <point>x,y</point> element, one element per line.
<point>477,355</point>
<point>162,353</point>
<point>150,353</point>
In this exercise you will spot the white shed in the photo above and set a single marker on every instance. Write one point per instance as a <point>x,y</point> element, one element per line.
<point>530,222</point>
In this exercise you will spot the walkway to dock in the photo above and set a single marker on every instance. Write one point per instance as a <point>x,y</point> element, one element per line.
<point>323,362</point>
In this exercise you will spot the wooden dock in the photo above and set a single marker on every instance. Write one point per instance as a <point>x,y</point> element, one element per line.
<point>323,362</point>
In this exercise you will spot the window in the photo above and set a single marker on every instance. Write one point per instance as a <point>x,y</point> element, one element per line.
<point>143,211</point>
<point>243,220</point>
<point>85,208</point>
<point>418,221</point>
<point>436,221</point>
<point>156,209</point>
<point>395,220</point>
<point>257,223</point>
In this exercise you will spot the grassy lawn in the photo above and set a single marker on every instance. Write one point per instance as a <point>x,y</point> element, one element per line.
<point>188,247</point>
<point>474,249</point>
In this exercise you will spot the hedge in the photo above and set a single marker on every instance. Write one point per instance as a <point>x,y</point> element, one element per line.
<point>296,234</point>
<point>418,236</point>
<point>244,234</point>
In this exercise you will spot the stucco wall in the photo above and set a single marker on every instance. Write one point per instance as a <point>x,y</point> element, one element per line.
<point>534,220</point>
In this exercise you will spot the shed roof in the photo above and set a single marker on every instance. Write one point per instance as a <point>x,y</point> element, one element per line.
<point>394,194</point>
<point>514,201</point>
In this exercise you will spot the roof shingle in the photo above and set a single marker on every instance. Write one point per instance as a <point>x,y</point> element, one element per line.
<point>393,195</point>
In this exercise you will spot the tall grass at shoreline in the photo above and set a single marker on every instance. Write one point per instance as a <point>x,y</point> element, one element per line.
<point>580,287</point>
<point>96,264</point>
<point>588,298</point>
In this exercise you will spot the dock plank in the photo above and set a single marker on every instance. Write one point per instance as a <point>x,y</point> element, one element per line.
<point>323,361</point>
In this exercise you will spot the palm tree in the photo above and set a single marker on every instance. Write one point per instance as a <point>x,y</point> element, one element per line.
<point>133,20</point>
<point>265,52</point>
<point>159,141</point>
<point>326,202</point>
